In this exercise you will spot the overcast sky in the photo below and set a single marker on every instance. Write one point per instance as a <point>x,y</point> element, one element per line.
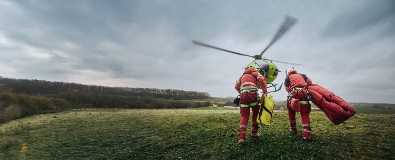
<point>347,47</point>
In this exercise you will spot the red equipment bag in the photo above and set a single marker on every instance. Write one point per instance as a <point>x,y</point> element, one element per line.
<point>334,107</point>
<point>295,104</point>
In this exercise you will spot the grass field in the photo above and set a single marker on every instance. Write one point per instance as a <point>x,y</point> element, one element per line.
<point>375,109</point>
<point>203,133</point>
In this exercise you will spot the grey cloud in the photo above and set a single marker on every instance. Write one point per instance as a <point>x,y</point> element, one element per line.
<point>370,14</point>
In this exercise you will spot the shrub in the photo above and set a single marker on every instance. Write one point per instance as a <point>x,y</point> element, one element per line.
<point>13,106</point>
<point>9,113</point>
<point>6,99</point>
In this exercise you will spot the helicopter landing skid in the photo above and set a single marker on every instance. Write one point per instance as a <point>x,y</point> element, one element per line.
<point>270,85</point>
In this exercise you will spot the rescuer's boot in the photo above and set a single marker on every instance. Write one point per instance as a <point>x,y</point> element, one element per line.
<point>293,129</point>
<point>255,136</point>
<point>306,132</point>
<point>306,139</point>
<point>254,131</point>
<point>242,142</point>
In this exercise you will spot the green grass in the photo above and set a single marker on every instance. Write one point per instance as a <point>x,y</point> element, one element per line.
<point>204,133</point>
<point>375,109</point>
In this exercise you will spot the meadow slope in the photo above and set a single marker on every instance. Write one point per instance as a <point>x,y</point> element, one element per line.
<point>204,133</point>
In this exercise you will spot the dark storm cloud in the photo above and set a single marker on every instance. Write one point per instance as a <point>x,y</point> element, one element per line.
<point>369,15</point>
<point>88,25</point>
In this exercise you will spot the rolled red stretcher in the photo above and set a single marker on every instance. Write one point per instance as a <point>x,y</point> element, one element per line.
<point>334,107</point>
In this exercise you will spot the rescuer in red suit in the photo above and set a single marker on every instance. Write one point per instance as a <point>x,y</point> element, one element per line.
<point>296,85</point>
<point>247,86</point>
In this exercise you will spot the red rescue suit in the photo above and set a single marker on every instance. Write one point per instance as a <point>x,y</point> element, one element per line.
<point>296,85</point>
<point>247,86</point>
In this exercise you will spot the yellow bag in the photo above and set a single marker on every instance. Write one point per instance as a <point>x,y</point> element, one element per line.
<point>266,110</point>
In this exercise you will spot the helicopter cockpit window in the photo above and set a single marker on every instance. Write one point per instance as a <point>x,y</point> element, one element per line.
<point>265,71</point>
<point>275,72</point>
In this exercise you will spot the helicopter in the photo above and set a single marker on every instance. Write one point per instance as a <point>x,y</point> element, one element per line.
<point>266,67</point>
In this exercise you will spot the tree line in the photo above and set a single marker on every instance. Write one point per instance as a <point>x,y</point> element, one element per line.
<point>42,87</point>
<point>24,97</point>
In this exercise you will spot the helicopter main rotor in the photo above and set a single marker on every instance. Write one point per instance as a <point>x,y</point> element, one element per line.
<point>210,46</point>
<point>288,23</point>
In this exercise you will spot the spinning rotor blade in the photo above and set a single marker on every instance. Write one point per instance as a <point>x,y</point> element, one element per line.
<point>295,64</point>
<point>288,23</point>
<point>210,46</point>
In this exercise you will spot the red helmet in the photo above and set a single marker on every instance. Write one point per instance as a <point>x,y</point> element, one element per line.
<point>291,71</point>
